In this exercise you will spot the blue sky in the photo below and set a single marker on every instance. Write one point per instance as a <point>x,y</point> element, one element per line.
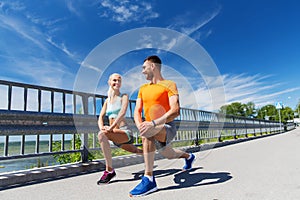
<point>254,45</point>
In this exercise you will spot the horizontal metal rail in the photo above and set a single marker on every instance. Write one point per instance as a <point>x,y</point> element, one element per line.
<point>60,115</point>
<point>37,125</point>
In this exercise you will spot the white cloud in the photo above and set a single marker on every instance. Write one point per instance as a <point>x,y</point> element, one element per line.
<point>7,6</point>
<point>258,89</point>
<point>195,93</point>
<point>61,47</point>
<point>23,30</point>
<point>184,24</point>
<point>33,28</point>
<point>71,7</point>
<point>127,11</point>
<point>29,47</point>
<point>43,72</point>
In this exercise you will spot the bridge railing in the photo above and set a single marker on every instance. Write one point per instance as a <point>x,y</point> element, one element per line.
<point>44,115</point>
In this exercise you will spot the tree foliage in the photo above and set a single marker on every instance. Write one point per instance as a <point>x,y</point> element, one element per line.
<point>69,157</point>
<point>287,114</point>
<point>239,109</point>
<point>268,112</point>
<point>297,110</point>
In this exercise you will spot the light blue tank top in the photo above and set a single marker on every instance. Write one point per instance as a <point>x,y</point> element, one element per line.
<point>114,108</point>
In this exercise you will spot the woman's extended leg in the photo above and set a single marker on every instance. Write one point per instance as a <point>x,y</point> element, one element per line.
<point>131,148</point>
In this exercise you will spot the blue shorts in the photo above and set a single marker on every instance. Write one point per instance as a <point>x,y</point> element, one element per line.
<point>170,135</point>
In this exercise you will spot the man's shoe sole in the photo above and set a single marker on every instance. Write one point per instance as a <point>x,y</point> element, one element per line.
<point>148,192</point>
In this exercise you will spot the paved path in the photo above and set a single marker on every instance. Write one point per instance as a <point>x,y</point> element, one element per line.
<point>266,168</point>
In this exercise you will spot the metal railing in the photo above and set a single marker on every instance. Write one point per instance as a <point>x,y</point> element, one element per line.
<point>30,113</point>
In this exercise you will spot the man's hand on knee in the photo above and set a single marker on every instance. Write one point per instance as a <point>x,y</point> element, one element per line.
<point>147,129</point>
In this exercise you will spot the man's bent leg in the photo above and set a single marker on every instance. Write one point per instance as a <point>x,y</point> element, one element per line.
<point>149,153</point>
<point>148,183</point>
<point>165,148</point>
<point>170,153</point>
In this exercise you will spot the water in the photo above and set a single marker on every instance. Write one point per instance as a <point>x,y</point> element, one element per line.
<point>26,163</point>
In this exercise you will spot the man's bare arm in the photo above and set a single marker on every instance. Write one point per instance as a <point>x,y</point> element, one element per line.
<point>172,113</point>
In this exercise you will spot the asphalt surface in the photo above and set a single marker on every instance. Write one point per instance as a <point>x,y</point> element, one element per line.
<point>265,168</point>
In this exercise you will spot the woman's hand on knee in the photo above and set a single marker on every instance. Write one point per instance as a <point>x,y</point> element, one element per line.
<point>104,129</point>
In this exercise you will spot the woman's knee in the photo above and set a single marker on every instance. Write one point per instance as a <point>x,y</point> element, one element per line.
<point>101,136</point>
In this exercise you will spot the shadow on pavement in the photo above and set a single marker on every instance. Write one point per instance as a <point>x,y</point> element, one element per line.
<point>186,179</point>
<point>157,174</point>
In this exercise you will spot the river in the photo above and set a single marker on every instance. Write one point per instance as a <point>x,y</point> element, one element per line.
<point>26,163</point>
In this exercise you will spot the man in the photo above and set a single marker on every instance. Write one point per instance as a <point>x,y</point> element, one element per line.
<point>160,102</point>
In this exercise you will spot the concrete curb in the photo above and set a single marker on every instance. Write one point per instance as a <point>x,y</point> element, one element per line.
<point>32,176</point>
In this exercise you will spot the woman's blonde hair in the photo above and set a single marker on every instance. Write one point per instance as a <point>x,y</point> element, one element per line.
<point>110,91</point>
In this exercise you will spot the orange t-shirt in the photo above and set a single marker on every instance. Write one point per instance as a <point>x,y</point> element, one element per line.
<point>155,98</point>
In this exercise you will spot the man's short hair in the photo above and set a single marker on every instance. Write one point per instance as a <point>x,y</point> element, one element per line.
<point>154,59</point>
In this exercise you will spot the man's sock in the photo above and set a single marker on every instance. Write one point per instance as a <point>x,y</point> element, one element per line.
<point>149,177</point>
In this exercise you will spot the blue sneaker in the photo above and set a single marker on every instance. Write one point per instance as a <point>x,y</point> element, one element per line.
<point>188,163</point>
<point>144,188</point>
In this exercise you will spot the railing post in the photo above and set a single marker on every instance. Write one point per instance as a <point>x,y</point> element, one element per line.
<point>220,119</point>
<point>245,122</point>
<point>220,136</point>
<point>260,126</point>
<point>254,128</point>
<point>52,101</point>
<point>6,142</point>
<point>9,97</point>
<point>234,124</point>
<point>25,99</point>
<point>39,100</point>
<point>85,152</point>
<point>197,138</point>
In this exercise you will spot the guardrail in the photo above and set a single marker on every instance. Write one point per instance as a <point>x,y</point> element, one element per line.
<point>38,114</point>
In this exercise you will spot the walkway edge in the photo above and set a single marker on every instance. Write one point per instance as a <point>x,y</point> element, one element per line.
<point>37,175</point>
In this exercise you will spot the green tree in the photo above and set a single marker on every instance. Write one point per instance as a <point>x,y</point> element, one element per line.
<point>297,110</point>
<point>239,109</point>
<point>250,109</point>
<point>268,112</point>
<point>235,108</point>
<point>287,114</point>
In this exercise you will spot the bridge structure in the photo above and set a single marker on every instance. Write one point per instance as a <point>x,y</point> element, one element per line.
<point>42,114</point>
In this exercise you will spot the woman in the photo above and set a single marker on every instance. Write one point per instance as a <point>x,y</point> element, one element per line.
<point>115,108</point>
